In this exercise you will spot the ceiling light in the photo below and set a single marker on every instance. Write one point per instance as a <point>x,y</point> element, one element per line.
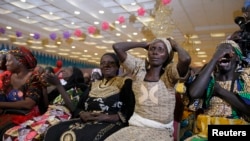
<point>85,50</point>
<point>50,17</point>
<point>101,47</point>
<point>3,11</point>
<point>36,47</point>
<point>66,50</point>
<point>73,46</point>
<point>51,13</point>
<point>49,50</point>
<point>108,41</point>
<point>217,34</point>
<point>204,61</point>
<point>29,21</point>
<point>118,34</point>
<point>101,12</point>
<point>50,29</point>
<point>129,40</point>
<point>202,55</point>
<point>23,5</point>
<point>76,53</point>
<point>133,3</point>
<point>34,41</point>
<point>8,27</point>
<point>96,23</point>
<point>197,42</point>
<point>197,49</point>
<point>51,46</point>
<point>144,39</point>
<point>63,54</point>
<point>73,56</point>
<point>124,26</point>
<point>95,53</point>
<point>109,50</point>
<point>135,33</point>
<point>96,36</point>
<point>3,39</point>
<point>77,12</point>
<point>89,43</point>
<point>86,56</point>
<point>201,52</point>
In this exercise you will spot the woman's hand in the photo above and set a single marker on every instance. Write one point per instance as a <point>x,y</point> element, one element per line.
<point>52,79</point>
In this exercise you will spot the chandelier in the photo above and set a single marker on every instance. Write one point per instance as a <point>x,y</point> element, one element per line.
<point>162,26</point>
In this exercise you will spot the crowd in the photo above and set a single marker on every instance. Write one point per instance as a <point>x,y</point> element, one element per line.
<point>64,103</point>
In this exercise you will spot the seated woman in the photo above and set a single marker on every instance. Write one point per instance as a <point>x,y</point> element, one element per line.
<point>153,85</point>
<point>23,89</point>
<point>223,84</point>
<point>34,128</point>
<point>105,109</point>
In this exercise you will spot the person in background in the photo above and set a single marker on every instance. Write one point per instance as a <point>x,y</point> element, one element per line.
<point>4,73</point>
<point>96,75</point>
<point>154,88</point>
<point>23,89</point>
<point>224,87</point>
<point>87,78</point>
<point>71,82</point>
<point>59,65</point>
<point>105,109</point>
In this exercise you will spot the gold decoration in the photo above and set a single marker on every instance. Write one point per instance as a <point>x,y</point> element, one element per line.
<point>162,26</point>
<point>147,33</point>
<point>132,18</point>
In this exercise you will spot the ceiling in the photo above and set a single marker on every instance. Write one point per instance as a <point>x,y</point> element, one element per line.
<point>53,18</point>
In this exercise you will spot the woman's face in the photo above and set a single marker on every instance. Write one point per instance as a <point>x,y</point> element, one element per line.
<point>67,73</point>
<point>157,54</point>
<point>12,63</point>
<point>108,66</point>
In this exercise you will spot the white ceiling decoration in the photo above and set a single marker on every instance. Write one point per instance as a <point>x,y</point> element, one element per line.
<point>189,17</point>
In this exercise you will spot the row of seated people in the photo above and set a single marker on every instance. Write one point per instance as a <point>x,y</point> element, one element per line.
<point>114,108</point>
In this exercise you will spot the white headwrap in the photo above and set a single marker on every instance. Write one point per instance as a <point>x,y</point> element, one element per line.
<point>166,42</point>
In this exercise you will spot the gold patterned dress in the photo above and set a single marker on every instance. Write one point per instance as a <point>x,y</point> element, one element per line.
<point>154,109</point>
<point>110,97</point>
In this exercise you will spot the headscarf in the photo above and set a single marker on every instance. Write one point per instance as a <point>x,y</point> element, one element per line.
<point>236,47</point>
<point>166,42</point>
<point>24,56</point>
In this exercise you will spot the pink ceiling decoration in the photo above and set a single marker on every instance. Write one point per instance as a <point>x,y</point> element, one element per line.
<point>165,2</point>
<point>105,25</point>
<point>78,33</point>
<point>141,11</point>
<point>18,33</point>
<point>121,19</point>
<point>91,29</point>
<point>52,36</point>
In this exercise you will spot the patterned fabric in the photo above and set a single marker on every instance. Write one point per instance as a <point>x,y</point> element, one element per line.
<point>219,111</point>
<point>34,128</point>
<point>74,94</point>
<point>106,97</point>
<point>24,56</point>
<point>154,101</point>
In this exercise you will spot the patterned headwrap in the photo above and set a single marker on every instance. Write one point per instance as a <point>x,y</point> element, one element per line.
<point>236,47</point>
<point>24,56</point>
